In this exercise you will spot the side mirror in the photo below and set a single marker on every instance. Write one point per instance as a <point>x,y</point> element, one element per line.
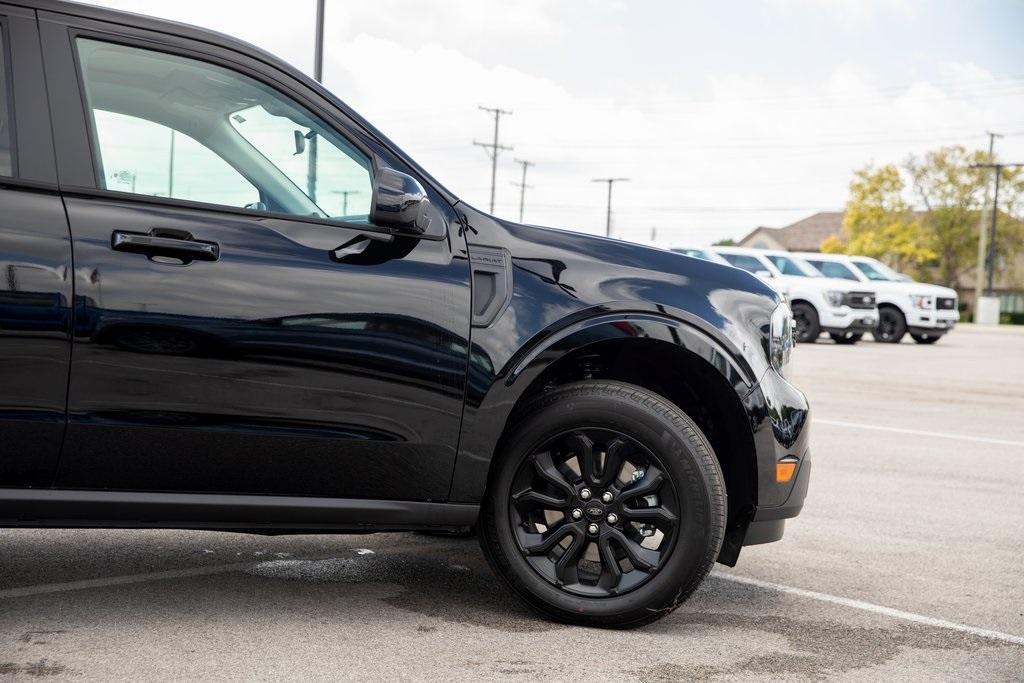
<point>399,201</point>
<point>764,274</point>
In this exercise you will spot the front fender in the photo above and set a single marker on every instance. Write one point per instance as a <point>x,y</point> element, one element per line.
<point>486,415</point>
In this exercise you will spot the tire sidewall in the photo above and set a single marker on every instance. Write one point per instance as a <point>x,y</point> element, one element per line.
<point>699,534</point>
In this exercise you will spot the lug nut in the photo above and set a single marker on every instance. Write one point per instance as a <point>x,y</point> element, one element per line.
<point>607,496</point>
<point>613,518</point>
<point>585,494</point>
<point>577,514</point>
<point>592,529</point>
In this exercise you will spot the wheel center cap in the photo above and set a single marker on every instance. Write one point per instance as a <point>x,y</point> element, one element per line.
<point>594,511</point>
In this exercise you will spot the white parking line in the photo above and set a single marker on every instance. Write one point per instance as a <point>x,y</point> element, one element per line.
<point>919,432</point>
<point>871,607</point>
<point>84,584</point>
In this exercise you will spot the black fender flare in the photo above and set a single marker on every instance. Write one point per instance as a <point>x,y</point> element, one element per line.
<point>484,423</point>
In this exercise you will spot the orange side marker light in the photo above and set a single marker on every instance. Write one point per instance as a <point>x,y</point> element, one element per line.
<point>785,469</point>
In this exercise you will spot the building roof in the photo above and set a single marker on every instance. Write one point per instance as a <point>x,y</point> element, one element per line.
<point>804,235</point>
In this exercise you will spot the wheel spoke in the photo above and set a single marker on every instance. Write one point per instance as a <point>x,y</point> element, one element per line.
<point>583,448</point>
<point>642,558</point>
<point>613,459</point>
<point>611,572</point>
<point>565,568</point>
<point>546,470</point>
<point>658,515</point>
<point>652,479</point>
<point>534,499</point>
<point>542,544</point>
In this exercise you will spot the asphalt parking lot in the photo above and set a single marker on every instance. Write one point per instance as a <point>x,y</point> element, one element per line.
<point>907,563</point>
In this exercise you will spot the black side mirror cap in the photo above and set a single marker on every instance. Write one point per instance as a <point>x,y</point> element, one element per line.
<point>399,201</point>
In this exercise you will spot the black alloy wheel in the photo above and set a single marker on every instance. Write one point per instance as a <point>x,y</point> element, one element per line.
<point>605,507</point>
<point>806,328</point>
<point>593,512</point>
<point>892,326</point>
<point>925,337</point>
<point>846,337</point>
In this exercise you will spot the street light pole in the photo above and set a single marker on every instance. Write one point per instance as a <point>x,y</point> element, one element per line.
<point>318,74</point>
<point>608,215</point>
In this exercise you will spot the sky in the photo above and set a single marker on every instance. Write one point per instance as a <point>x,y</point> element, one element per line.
<point>723,116</point>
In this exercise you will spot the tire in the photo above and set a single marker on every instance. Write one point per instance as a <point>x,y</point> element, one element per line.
<point>807,328</point>
<point>846,337</point>
<point>892,326</point>
<point>678,474</point>
<point>925,337</point>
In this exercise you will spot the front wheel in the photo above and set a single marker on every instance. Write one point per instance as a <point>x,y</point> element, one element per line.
<point>807,329</point>
<point>892,326</point>
<point>606,506</point>
<point>846,337</point>
<point>925,337</point>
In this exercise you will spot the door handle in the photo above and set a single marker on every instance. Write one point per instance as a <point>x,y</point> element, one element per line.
<point>157,242</point>
<point>359,244</point>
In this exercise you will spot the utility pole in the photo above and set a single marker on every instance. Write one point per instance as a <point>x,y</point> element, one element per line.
<point>493,148</point>
<point>522,186</point>
<point>998,168</point>
<point>608,218</point>
<point>318,74</point>
<point>344,199</point>
<point>170,171</point>
<point>979,279</point>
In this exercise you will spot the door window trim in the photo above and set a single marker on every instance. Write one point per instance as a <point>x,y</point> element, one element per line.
<point>343,127</point>
<point>12,131</point>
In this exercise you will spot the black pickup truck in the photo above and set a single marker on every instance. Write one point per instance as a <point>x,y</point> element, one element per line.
<point>228,302</point>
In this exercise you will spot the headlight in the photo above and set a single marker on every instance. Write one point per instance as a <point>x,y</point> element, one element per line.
<point>834,298</point>
<point>922,301</point>
<point>780,344</point>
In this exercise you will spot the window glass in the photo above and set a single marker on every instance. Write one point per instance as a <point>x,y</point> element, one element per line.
<point>787,266</point>
<point>871,272</point>
<point>6,163</point>
<point>834,269</point>
<point>751,264</point>
<point>170,126</point>
<point>144,157</point>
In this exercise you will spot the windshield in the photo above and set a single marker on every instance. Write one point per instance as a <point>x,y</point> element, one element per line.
<point>696,253</point>
<point>791,266</point>
<point>834,269</point>
<point>874,270</point>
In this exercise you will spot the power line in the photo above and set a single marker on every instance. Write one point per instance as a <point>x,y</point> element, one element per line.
<point>522,185</point>
<point>493,148</point>
<point>608,216</point>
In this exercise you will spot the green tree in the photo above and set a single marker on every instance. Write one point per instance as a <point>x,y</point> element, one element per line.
<point>879,222</point>
<point>924,217</point>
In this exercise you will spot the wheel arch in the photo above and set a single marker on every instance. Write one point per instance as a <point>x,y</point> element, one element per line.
<point>685,365</point>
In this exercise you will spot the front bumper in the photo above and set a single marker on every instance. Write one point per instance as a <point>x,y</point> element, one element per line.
<point>782,430</point>
<point>932,321</point>
<point>846,319</point>
<point>769,523</point>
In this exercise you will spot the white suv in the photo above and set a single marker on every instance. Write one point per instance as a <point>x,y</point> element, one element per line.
<point>844,310</point>
<point>926,311</point>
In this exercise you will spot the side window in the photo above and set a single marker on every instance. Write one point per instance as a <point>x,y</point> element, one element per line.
<point>834,269</point>
<point>170,126</point>
<point>786,266</point>
<point>751,264</point>
<point>6,156</point>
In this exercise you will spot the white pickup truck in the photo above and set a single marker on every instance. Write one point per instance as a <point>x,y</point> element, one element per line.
<point>844,310</point>
<point>925,311</point>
